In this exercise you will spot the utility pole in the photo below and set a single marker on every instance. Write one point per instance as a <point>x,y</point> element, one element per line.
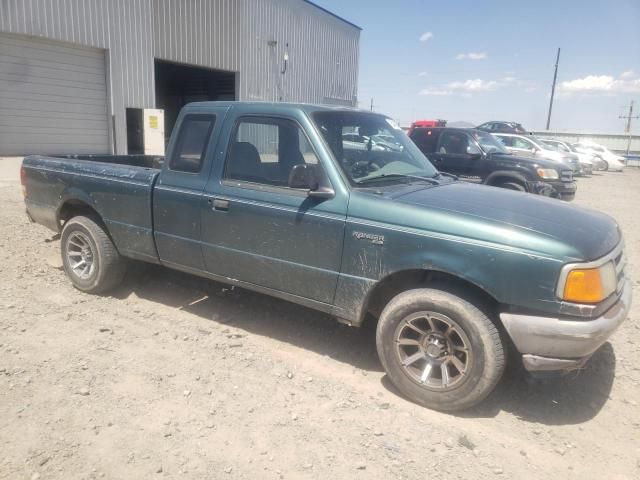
<point>553,88</point>
<point>628,127</point>
<point>371,104</point>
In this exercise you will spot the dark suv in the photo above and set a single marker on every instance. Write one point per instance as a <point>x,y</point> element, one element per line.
<point>502,127</point>
<point>478,156</point>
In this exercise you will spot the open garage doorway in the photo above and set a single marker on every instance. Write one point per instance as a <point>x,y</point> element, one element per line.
<point>178,84</point>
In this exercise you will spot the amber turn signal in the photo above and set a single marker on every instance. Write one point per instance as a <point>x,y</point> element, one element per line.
<point>590,285</point>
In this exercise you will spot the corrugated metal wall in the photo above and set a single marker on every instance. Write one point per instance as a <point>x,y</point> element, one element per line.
<point>245,36</point>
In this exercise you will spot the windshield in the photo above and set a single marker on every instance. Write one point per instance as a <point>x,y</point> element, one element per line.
<point>386,153</point>
<point>488,142</point>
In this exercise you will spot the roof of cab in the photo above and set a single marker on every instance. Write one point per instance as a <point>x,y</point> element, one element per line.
<point>281,106</point>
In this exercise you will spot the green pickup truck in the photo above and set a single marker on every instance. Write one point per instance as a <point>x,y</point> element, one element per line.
<point>278,198</point>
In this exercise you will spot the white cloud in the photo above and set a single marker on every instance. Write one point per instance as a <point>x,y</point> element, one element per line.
<point>472,56</point>
<point>435,91</point>
<point>468,87</point>
<point>423,74</point>
<point>426,36</point>
<point>462,87</point>
<point>628,74</point>
<point>602,84</point>
<point>477,85</point>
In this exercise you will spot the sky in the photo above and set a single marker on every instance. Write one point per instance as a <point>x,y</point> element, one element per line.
<point>477,61</point>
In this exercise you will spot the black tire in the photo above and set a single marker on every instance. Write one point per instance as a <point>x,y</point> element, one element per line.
<point>605,165</point>
<point>107,266</point>
<point>513,186</point>
<point>486,362</point>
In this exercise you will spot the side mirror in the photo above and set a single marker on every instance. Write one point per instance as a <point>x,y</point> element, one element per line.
<point>305,176</point>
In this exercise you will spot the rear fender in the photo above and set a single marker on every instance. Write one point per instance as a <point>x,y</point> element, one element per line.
<point>75,196</point>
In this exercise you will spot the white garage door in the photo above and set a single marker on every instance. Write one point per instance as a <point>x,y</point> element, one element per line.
<point>52,98</point>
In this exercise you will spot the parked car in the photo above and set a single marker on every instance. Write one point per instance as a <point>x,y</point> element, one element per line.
<point>502,127</point>
<point>270,197</point>
<point>586,160</point>
<point>610,160</point>
<point>477,155</point>
<point>530,146</point>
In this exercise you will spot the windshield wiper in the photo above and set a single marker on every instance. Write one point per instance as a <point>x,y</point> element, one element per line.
<point>430,180</point>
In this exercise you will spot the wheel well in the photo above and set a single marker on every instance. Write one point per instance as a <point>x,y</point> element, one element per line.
<point>498,180</point>
<point>396,283</point>
<point>73,208</point>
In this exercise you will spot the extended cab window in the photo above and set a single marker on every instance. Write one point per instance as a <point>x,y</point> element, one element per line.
<point>192,143</point>
<point>265,150</point>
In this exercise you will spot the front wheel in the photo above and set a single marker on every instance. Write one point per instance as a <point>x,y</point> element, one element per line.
<point>89,257</point>
<point>513,186</point>
<point>439,349</point>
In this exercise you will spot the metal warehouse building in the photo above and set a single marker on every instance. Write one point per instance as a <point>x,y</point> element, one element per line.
<point>74,73</point>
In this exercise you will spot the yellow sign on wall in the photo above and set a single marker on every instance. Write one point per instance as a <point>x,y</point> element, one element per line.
<point>153,122</point>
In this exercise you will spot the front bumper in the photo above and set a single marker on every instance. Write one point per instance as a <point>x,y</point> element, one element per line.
<point>548,343</point>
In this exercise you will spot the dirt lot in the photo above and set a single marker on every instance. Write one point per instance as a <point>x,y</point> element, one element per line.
<point>173,376</point>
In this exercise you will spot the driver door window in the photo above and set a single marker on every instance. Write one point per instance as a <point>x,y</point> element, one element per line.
<point>454,143</point>
<point>265,150</point>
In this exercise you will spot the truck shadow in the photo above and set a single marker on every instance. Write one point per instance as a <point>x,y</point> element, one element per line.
<point>558,400</point>
<point>256,313</point>
<point>554,399</point>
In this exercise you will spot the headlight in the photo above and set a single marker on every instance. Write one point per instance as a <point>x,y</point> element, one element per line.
<point>548,173</point>
<point>590,285</point>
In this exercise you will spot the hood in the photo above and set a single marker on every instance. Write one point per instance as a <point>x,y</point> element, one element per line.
<point>500,216</point>
<point>536,161</point>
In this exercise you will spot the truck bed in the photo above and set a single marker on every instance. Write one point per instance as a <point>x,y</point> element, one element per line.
<point>118,188</point>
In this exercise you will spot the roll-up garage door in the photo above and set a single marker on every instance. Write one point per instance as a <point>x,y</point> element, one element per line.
<point>53,98</point>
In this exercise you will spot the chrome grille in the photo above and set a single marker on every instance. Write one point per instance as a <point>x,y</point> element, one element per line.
<point>620,262</point>
<point>566,175</point>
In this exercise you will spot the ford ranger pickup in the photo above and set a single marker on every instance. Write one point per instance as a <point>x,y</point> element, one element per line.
<point>272,198</point>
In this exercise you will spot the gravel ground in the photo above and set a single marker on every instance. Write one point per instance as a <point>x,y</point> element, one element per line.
<point>173,376</point>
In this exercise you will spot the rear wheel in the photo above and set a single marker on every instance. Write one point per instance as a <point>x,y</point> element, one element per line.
<point>89,257</point>
<point>513,186</point>
<point>439,349</point>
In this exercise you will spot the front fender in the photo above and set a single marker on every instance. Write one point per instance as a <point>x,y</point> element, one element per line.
<point>508,274</point>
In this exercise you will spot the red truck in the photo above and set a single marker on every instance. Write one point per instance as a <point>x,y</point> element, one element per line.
<point>427,124</point>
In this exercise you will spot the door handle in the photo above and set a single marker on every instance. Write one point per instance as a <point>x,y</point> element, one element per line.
<point>219,204</point>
